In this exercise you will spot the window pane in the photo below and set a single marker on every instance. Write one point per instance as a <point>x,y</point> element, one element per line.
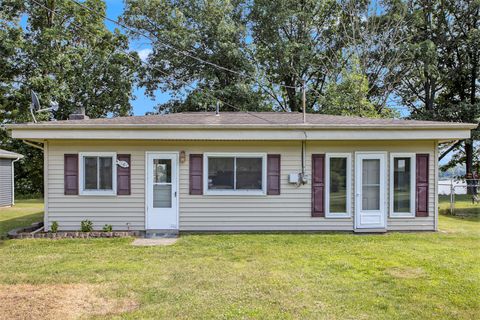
<point>371,171</point>
<point>338,185</point>
<point>105,173</point>
<point>162,196</point>
<point>220,173</point>
<point>401,184</point>
<point>371,198</point>
<point>249,173</point>
<point>162,171</point>
<point>371,184</point>
<point>90,172</point>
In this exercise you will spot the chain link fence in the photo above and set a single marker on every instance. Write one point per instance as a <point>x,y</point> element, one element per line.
<point>454,187</point>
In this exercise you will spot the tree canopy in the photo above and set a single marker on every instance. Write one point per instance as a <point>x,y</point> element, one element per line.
<point>66,55</point>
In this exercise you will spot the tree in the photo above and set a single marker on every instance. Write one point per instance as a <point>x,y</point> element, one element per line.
<point>441,79</point>
<point>349,96</point>
<point>296,41</point>
<point>67,55</point>
<point>186,33</point>
<point>256,54</point>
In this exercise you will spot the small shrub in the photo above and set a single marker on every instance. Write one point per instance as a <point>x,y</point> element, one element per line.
<point>86,226</point>
<point>54,227</point>
<point>107,228</point>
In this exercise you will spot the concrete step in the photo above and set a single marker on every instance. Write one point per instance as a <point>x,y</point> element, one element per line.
<point>152,234</point>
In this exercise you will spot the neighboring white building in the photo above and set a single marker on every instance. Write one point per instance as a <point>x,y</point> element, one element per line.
<point>7,183</point>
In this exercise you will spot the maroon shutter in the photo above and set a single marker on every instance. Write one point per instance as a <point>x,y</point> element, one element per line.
<point>318,185</point>
<point>273,174</point>
<point>196,174</point>
<point>123,176</point>
<point>421,185</point>
<point>70,173</point>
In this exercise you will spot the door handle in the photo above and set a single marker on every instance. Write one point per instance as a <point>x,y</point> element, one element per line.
<point>175,194</point>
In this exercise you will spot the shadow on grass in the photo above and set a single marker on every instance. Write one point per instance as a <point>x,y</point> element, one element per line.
<point>22,221</point>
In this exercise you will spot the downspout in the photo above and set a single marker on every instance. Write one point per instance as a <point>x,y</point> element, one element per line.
<point>303,178</point>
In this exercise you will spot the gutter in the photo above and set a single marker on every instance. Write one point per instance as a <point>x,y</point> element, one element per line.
<point>49,126</point>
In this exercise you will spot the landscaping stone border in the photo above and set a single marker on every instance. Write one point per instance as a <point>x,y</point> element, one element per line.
<point>26,233</point>
<point>77,234</point>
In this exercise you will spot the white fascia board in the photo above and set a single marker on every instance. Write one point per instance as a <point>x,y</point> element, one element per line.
<point>226,134</point>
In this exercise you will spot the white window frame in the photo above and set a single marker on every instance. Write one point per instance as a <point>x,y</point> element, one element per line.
<point>347,214</point>
<point>243,192</point>
<point>413,169</point>
<point>81,179</point>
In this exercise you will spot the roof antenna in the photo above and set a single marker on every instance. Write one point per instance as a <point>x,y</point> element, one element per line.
<point>217,110</point>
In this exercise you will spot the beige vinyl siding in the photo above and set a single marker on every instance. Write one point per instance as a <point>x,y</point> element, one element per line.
<point>291,210</point>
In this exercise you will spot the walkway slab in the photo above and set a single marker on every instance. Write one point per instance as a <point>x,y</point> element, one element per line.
<point>142,242</point>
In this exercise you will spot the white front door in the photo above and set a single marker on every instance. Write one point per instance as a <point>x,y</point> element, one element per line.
<point>161,189</point>
<point>370,209</point>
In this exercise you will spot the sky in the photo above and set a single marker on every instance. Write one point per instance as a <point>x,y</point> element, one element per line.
<point>141,104</point>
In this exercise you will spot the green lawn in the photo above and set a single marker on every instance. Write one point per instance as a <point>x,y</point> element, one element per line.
<point>24,213</point>
<point>463,206</point>
<point>266,276</point>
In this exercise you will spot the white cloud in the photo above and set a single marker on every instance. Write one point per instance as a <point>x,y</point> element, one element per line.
<point>143,53</point>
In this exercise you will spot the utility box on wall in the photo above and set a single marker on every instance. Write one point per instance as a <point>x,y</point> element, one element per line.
<point>294,178</point>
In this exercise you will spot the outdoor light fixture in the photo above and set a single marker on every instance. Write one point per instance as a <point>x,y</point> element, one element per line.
<point>182,156</point>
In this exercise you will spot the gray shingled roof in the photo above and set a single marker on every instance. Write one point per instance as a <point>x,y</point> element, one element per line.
<point>245,119</point>
<point>4,154</point>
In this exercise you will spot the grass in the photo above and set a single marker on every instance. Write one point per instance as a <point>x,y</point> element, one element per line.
<point>463,206</point>
<point>268,276</point>
<point>24,213</point>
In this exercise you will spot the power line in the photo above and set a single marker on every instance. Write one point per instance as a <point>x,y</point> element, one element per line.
<point>164,72</point>
<point>159,70</point>
<point>185,53</point>
<point>188,54</point>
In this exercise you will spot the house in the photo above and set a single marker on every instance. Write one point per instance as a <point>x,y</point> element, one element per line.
<point>7,186</point>
<point>242,171</point>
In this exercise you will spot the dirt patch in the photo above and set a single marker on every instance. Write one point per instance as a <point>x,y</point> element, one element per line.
<point>64,301</point>
<point>406,272</point>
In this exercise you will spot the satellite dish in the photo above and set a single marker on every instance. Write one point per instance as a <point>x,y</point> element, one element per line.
<point>35,106</point>
<point>35,102</point>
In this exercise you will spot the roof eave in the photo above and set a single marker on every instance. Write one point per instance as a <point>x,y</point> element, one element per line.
<point>53,126</point>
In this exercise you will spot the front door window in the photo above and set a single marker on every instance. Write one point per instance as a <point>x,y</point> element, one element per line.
<point>162,183</point>
<point>371,184</point>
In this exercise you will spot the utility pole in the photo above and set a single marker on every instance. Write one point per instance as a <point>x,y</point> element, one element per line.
<point>304,102</point>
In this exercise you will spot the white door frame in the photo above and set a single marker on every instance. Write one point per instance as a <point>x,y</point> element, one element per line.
<point>175,176</point>
<point>382,156</point>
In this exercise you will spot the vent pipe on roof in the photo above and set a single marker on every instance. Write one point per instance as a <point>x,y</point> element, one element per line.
<point>217,110</point>
<point>78,115</point>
